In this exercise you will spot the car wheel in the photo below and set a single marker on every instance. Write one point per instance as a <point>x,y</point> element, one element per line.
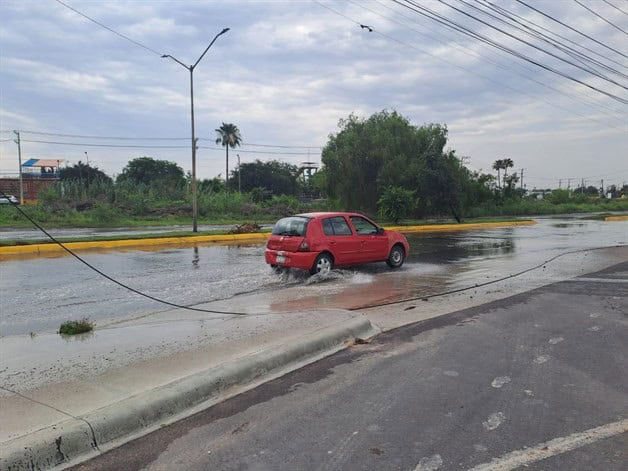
<point>396,257</point>
<point>323,264</point>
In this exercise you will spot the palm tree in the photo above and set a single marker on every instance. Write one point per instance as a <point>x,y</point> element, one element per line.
<point>498,165</point>
<point>506,164</point>
<point>228,135</point>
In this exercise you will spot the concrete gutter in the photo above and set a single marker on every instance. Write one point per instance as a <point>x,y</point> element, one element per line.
<point>83,436</point>
<point>229,239</point>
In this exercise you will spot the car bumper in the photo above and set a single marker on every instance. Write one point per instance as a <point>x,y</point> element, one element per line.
<point>302,260</point>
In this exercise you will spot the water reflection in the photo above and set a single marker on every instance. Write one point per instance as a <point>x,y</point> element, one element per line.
<point>448,248</point>
<point>196,258</point>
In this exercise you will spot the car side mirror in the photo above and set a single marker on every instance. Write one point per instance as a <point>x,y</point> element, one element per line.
<point>380,230</point>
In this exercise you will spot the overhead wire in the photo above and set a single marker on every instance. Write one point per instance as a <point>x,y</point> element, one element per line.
<point>150,146</point>
<point>122,138</point>
<point>532,45</point>
<point>600,106</point>
<point>466,69</point>
<point>522,20</point>
<point>137,43</point>
<point>600,16</point>
<point>235,313</point>
<point>110,278</point>
<point>413,6</point>
<point>577,55</point>
<point>615,7</point>
<point>572,29</point>
<point>487,283</point>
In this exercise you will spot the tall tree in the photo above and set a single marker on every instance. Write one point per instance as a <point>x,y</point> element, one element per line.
<point>228,135</point>
<point>507,163</point>
<point>279,178</point>
<point>84,173</point>
<point>149,171</point>
<point>498,165</point>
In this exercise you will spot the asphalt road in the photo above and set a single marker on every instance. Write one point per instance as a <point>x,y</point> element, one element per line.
<point>39,293</point>
<point>542,374</point>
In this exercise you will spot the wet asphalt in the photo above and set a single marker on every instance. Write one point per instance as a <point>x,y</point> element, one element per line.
<point>449,393</point>
<point>40,292</point>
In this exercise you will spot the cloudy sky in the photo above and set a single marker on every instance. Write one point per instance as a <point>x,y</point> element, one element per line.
<point>286,72</point>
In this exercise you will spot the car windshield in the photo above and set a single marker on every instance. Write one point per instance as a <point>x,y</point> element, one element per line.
<point>292,226</point>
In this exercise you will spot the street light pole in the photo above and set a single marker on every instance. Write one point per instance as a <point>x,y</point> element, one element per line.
<point>239,179</point>
<point>191,69</point>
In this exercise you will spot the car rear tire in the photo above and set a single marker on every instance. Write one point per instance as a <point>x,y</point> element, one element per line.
<point>396,257</point>
<point>323,264</point>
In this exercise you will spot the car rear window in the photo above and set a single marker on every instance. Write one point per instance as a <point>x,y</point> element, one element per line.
<point>292,226</point>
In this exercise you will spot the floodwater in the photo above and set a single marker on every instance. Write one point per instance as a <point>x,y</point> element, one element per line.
<point>37,294</point>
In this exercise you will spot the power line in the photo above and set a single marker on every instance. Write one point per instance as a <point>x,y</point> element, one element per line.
<point>572,29</point>
<point>466,69</point>
<point>110,278</point>
<point>615,7</point>
<point>133,146</point>
<point>476,54</point>
<point>529,44</point>
<point>577,55</point>
<point>464,30</point>
<point>82,136</point>
<point>600,16</point>
<point>109,29</point>
<point>553,33</point>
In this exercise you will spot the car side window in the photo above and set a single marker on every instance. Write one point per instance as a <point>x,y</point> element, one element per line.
<point>336,226</point>
<point>362,226</point>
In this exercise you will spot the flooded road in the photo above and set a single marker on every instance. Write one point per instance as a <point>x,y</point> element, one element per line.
<point>39,293</point>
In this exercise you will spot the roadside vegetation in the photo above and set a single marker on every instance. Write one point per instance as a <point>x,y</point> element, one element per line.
<point>76,327</point>
<point>383,166</point>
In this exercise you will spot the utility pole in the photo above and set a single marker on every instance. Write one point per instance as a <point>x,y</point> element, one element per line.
<point>522,178</point>
<point>19,159</point>
<point>602,182</point>
<point>191,68</point>
<point>560,181</point>
<point>239,179</point>
<point>569,184</point>
<point>582,186</point>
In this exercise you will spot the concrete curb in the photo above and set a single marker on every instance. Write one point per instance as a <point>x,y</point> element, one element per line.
<point>78,438</point>
<point>229,239</point>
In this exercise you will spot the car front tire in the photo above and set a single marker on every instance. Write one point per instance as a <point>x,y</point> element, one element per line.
<point>396,257</point>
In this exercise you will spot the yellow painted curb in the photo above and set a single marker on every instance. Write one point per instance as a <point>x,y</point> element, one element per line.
<point>616,218</point>
<point>225,239</point>
<point>459,227</point>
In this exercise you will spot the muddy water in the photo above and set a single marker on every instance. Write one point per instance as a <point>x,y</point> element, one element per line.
<point>37,294</point>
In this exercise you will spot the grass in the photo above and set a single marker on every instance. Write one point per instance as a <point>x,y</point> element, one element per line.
<point>173,234</point>
<point>76,327</point>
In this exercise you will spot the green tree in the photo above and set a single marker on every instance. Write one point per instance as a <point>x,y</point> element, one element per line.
<point>228,135</point>
<point>396,203</point>
<point>499,165</point>
<point>161,178</point>
<point>277,178</point>
<point>84,173</point>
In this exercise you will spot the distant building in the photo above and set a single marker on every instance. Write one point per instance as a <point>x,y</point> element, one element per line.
<point>37,175</point>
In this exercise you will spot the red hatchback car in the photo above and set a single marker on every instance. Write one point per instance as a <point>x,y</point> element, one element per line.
<point>319,242</point>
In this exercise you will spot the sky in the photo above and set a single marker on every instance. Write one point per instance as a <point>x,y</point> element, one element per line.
<point>287,72</point>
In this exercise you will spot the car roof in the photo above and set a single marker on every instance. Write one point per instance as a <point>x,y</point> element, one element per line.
<point>323,214</point>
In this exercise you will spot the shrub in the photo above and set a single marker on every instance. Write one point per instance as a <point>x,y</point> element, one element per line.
<point>396,203</point>
<point>76,327</point>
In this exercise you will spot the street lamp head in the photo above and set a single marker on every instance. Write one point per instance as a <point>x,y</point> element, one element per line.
<point>164,56</point>
<point>224,30</point>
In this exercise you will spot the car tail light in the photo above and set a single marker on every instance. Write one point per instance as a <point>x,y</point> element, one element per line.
<point>304,246</point>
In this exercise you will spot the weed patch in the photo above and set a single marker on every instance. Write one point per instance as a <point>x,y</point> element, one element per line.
<point>76,327</point>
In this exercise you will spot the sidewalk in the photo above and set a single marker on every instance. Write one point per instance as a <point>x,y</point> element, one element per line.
<point>64,398</point>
